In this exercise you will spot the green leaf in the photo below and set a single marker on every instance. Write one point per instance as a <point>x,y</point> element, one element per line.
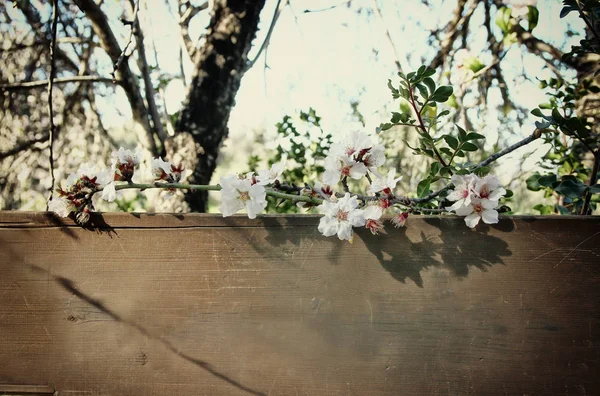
<point>430,84</point>
<point>557,116</point>
<point>509,194</point>
<point>442,94</point>
<point>533,182</point>
<point>474,136</point>
<point>571,188</point>
<point>533,16</point>
<point>435,168</point>
<point>423,188</point>
<point>503,19</point>
<point>462,134</point>
<point>537,112</point>
<point>547,180</point>
<point>451,141</point>
<point>422,91</point>
<point>469,147</point>
<point>562,210</point>
<point>544,209</point>
<point>481,172</point>
<point>385,126</point>
<point>594,189</point>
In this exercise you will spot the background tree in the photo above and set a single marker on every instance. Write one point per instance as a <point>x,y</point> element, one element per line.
<point>91,40</point>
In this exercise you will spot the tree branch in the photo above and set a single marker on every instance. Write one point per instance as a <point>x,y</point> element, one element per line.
<point>145,70</point>
<point>535,135</point>
<point>56,81</point>
<point>50,104</point>
<point>278,9</point>
<point>128,80</point>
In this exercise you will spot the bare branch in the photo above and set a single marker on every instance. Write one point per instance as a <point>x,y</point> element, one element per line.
<point>388,35</point>
<point>128,80</point>
<point>55,81</point>
<point>123,55</point>
<point>50,104</point>
<point>19,147</point>
<point>452,31</point>
<point>278,9</point>
<point>186,12</point>
<point>145,70</point>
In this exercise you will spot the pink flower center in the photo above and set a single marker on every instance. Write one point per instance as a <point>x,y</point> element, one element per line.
<point>374,225</point>
<point>341,215</point>
<point>465,193</point>
<point>345,170</point>
<point>484,192</point>
<point>478,208</point>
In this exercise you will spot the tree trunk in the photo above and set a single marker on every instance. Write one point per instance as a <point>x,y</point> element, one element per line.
<point>220,65</point>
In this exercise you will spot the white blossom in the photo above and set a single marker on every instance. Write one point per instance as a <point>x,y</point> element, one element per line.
<point>375,157</point>
<point>336,167</point>
<point>270,176</point>
<point>164,170</point>
<point>238,194</point>
<point>340,217</point>
<point>124,156</point>
<point>372,215</point>
<point>61,206</point>
<point>91,171</point>
<point>488,188</point>
<point>351,144</point>
<point>385,184</point>
<point>109,193</point>
<point>479,209</point>
<point>463,190</point>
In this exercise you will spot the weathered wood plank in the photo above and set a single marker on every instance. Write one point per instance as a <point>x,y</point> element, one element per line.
<point>198,304</point>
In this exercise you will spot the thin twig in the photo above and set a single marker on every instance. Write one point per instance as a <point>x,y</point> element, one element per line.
<point>389,36</point>
<point>535,135</point>
<point>50,104</point>
<point>123,55</point>
<point>278,9</point>
<point>55,81</point>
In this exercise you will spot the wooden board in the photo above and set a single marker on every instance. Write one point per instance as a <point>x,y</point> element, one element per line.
<point>201,305</point>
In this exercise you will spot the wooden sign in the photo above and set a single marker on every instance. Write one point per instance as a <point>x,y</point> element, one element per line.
<point>204,305</point>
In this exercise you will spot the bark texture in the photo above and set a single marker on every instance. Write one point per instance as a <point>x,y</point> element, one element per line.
<point>220,65</point>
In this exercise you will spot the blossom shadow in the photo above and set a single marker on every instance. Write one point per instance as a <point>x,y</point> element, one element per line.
<point>440,243</point>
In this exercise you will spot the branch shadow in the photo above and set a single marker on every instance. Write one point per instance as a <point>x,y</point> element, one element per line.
<point>71,287</point>
<point>453,246</point>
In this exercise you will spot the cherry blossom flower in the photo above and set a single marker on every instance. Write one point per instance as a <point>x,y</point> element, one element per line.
<point>463,190</point>
<point>399,219</point>
<point>386,185</point>
<point>340,217</point>
<point>488,188</point>
<point>479,209</point>
<point>373,215</point>
<point>77,194</point>
<point>270,176</point>
<point>374,157</point>
<point>109,193</point>
<point>342,166</point>
<point>61,206</point>
<point>238,194</point>
<point>319,190</point>
<point>124,163</point>
<point>353,143</point>
<point>165,171</point>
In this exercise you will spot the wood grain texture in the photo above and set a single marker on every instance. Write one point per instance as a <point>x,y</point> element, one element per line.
<point>201,305</point>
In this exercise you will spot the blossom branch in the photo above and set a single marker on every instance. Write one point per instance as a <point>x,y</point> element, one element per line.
<point>215,187</point>
<point>535,135</point>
